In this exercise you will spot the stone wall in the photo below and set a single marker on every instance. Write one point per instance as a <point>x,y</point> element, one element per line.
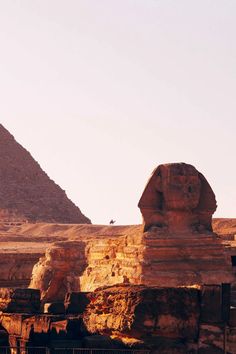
<point>113,261</point>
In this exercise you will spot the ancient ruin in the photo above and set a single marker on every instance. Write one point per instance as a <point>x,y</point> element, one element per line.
<point>168,320</point>
<point>179,198</point>
<point>178,247</point>
<point>166,287</point>
<point>27,193</point>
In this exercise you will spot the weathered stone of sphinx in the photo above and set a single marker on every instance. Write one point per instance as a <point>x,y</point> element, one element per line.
<point>84,266</point>
<point>178,197</point>
<point>113,261</point>
<point>22,246</point>
<point>58,272</point>
<point>180,248</point>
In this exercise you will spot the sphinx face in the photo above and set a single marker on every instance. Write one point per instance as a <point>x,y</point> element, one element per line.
<point>181,187</point>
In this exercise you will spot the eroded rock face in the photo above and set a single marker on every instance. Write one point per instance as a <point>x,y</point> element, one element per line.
<point>27,193</point>
<point>113,261</point>
<point>22,246</point>
<point>179,198</point>
<point>16,268</point>
<point>184,259</point>
<point>144,314</point>
<point>166,320</point>
<point>58,272</point>
<point>84,266</point>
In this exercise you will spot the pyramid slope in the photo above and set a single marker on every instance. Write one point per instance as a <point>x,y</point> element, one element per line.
<point>26,191</point>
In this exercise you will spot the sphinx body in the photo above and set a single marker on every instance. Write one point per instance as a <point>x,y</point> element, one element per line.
<point>180,248</point>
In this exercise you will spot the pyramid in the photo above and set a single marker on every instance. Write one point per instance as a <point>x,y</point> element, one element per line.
<point>27,194</point>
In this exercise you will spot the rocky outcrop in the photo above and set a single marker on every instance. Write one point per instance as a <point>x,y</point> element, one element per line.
<point>58,272</point>
<point>166,320</point>
<point>79,266</point>
<point>22,246</point>
<point>26,192</point>
<point>144,316</point>
<point>16,268</point>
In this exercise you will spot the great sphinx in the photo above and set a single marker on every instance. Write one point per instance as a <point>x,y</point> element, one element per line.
<point>177,247</point>
<point>177,197</point>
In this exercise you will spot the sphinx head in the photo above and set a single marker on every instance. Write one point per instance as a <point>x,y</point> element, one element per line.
<point>180,192</point>
<point>180,186</point>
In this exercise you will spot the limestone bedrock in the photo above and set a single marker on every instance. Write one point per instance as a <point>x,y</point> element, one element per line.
<point>144,313</point>
<point>84,266</point>
<point>58,272</point>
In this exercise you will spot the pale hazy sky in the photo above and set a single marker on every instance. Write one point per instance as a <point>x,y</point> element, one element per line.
<point>102,91</point>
